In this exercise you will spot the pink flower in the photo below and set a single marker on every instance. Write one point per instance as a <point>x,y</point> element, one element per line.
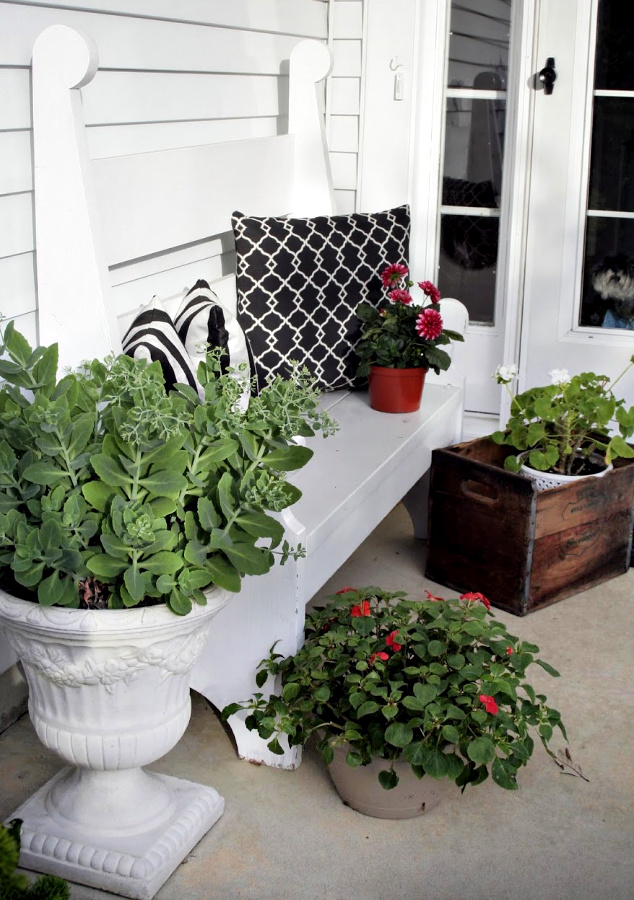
<point>393,274</point>
<point>400,296</point>
<point>391,642</point>
<point>432,597</point>
<point>473,598</point>
<point>430,290</point>
<point>363,609</point>
<point>489,703</point>
<point>429,324</point>
<point>380,655</point>
<point>345,590</point>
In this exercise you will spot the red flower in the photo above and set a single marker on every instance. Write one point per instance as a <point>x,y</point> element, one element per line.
<point>430,290</point>
<point>400,296</point>
<point>429,324</point>
<point>489,703</point>
<point>345,590</point>
<point>432,597</point>
<point>393,274</point>
<point>473,598</point>
<point>389,640</point>
<point>363,609</point>
<point>509,650</point>
<point>380,655</point>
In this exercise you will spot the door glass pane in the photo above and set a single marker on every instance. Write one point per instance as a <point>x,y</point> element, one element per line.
<point>474,154</point>
<point>607,293</point>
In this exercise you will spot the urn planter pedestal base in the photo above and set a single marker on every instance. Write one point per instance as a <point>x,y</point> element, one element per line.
<point>175,814</point>
<point>109,693</point>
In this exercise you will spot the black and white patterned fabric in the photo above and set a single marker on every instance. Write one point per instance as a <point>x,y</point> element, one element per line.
<point>202,323</point>
<point>152,336</point>
<point>300,280</point>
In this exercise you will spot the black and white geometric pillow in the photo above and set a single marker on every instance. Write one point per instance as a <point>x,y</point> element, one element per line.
<point>152,336</point>
<point>299,282</point>
<point>202,323</point>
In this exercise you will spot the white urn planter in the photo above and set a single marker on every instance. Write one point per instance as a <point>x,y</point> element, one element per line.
<point>109,693</point>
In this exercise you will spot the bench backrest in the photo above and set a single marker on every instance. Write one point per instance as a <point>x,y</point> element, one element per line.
<point>112,232</point>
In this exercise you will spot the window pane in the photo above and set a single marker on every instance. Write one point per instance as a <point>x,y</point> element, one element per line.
<point>467,266</point>
<point>615,46</point>
<point>479,44</point>
<point>608,276</point>
<point>612,159</point>
<point>474,148</point>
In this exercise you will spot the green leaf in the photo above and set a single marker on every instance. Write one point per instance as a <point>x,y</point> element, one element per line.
<point>274,747</point>
<point>322,694</point>
<point>224,575</point>
<point>207,515</point>
<point>290,691</point>
<point>388,779</point>
<point>51,590</point>
<point>247,559</point>
<point>481,750</point>
<point>44,473</point>
<point>104,566</point>
<point>286,459</point>
<point>260,525</point>
<point>81,432</point>
<point>436,763</point>
<point>451,734</point>
<point>136,582</point>
<point>425,692</point>
<point>398,734</point>
<point>370,706</point>
<point>436,648</point>
<point>164,483</point>
<point>225,495</point>
<point>162,563</point>
<point>502,775</point>
<point>114,546</point>
<point>98,494</point>
<point>110,471</point>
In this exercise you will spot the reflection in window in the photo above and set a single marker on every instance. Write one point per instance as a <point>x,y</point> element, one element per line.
<point>473,157</point>
<point>607,298</point>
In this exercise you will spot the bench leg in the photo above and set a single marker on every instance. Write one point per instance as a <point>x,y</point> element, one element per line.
<point>415,502</point>
<point>265,612</point>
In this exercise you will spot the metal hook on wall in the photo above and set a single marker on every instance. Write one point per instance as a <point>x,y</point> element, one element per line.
<point>395,64</point>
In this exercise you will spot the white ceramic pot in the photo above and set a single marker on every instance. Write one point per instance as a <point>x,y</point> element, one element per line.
<point>109,693</point>
<point>545,480</point>
<point>359,788</point>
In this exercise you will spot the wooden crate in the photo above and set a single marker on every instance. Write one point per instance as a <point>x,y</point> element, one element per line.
<point>491,531</point>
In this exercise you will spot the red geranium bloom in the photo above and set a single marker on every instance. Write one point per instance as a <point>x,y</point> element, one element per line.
<point>489,703</point>
<point>400,296</point>
<point>345,590</point>
<point>380,655</point>
<point>472,598</point>
<point>430,290</point>
<point>429,324</point>
<point>509,650</point>
<point>389,640</point>
<point>393,274</point>
<point>432,597</point>
<point>362,609</point>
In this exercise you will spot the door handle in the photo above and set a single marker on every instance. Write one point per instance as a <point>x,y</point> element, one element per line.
<point>548,75</point>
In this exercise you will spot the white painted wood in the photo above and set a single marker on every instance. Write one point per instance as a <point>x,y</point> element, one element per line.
<point>344,174</point>
<point>305,18</point>
<point>343,134</point>
<point>17,285</point>
<point>15,109</point>
<point>15,146</point>
<point>16,224</point>
<point>127,42</point>
<point>130,97</point>
<point>71,267</point>
<point>345,96</point>
<point>309,64</point>
<point>345,202</point>
<point>347,59</point>
<point>348,20</point>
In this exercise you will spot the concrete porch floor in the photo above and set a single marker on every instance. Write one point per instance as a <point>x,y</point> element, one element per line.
<point>287,836</point>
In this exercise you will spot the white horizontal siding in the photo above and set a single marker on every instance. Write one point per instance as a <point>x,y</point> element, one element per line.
<point>171,75</point>
<point>344,100</point>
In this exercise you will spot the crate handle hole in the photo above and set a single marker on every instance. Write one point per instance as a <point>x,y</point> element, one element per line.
<point>476,490</point>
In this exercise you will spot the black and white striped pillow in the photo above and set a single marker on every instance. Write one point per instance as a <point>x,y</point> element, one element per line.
<point>202,323</point>
<point>152,336</point>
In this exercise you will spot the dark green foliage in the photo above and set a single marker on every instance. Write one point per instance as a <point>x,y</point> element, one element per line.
<point>18,887</point>
<point>438,682</point>
<point>114,492</point>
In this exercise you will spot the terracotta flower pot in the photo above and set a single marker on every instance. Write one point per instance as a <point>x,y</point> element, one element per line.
<point>359,788</point>
<point>396,390</point>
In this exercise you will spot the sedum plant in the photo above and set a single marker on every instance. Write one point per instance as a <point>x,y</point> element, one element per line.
<point>115,493</point>
<point>439,683</point>
<point>14,886</point>
<point>560,425</point>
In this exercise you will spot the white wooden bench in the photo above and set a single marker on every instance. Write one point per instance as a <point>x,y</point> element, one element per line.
<point>110,233</point>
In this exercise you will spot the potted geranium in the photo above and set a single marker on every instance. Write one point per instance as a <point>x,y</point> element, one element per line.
<point>563,429</point>
<point>401,341</point>
<point>401,689</point>
<point>127,514</point>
